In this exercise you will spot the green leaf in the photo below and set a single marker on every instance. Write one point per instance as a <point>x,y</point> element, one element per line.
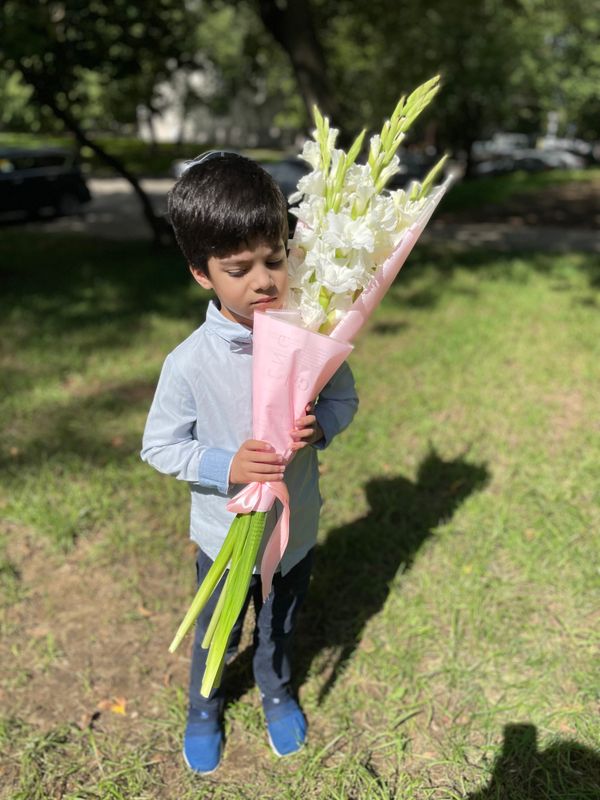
<point>355,149</point>
<point>318,118</point>
<point>430,178</point>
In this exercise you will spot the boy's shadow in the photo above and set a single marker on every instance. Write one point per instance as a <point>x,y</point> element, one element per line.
<point>563,770</point>
<point>355,566</point>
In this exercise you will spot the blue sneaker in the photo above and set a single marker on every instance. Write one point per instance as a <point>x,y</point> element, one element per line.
<point>203,742</point>
<point>286,725</point>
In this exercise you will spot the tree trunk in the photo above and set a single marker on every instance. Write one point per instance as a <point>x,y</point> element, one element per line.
<point>161,231</point>
<point>290,23</point>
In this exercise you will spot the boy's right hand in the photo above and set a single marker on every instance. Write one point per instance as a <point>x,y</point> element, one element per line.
<point>256,461</point>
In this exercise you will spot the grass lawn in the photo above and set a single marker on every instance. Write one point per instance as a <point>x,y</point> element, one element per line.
<point>499,189</point>
<point>449,646</point>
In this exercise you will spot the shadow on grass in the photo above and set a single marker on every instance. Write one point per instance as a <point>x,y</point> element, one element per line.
<point>356,565</point>
<point>99,290</point>
<point>102,291</point>
<point>63,430</point>
<point>565,770</point>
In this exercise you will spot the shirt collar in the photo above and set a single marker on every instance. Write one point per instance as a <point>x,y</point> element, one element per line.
<point>239,336</point>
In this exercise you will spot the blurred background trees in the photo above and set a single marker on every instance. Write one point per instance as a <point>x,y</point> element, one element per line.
<point>106,65</point>
<point>246,73</point>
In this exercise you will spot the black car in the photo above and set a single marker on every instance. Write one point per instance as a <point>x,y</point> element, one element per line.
<point>46,180</point>
<point>287,173</point>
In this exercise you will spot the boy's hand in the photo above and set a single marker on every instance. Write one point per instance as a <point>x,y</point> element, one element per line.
<point>256,461</point>
<point>307,430</point>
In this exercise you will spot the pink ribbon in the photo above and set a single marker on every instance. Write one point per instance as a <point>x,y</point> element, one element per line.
<point>260,497</point>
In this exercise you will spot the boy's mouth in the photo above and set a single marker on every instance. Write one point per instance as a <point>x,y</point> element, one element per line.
<point>265,301</point>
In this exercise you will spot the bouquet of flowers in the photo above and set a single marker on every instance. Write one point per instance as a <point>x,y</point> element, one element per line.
<point>347,226</point>
<point>351,240</point>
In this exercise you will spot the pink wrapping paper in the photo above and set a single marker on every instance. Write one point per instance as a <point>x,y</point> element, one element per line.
<point>291,365</point>
<point>369,299</point>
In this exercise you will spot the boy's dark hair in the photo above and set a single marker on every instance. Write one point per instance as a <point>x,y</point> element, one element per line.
<point>222,203</point>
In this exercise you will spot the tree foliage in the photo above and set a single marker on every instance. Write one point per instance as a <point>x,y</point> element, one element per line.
<point>77,52</point>
<point>504,63</point>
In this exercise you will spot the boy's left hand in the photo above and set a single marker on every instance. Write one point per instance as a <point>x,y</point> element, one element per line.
<point>307,430</point>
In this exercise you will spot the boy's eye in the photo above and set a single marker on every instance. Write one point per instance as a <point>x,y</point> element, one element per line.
<point>274,263</point>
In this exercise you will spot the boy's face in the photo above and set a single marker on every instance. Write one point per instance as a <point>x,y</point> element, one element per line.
<point>254,277</point>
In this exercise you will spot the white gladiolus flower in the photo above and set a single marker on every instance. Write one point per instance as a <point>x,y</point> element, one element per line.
<point>297,273</point>
<point>375,145</point>
<point>332,138</point>
<point>336,157</point>
<point>307,303</point>
<point>382,215</point>
<point>311,212</point>
<point>338,277</point>
<point>342,231</point>
<point>392,169</point>
<point>347,227</point>
<point>313,183</point>
<point>406,210</point>
<point>311,152</point>
<point>359,175</point>
<point>360,186</point>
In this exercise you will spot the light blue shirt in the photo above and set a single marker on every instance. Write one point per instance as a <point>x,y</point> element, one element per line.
<point>202,413</point>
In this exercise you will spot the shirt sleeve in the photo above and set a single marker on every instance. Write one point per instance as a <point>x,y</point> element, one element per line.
<point>215,465</point>
<point>169,444</point>
<point>336,405</point>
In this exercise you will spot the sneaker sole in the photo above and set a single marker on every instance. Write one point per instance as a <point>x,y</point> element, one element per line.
<point>199,772</point>
<point>283,755</point>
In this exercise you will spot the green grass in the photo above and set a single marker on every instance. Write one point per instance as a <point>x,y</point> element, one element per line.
<point>448,647</point>
<point>499,189</point>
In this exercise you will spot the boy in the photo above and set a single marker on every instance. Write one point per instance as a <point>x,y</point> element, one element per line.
<point>230,221</point>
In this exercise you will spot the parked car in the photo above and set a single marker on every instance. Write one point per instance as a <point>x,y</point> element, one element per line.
<point>286,173</point>
<point>578,147</point>
<point>529,161</point>
<point>501,144</point>
<point>45,180</point>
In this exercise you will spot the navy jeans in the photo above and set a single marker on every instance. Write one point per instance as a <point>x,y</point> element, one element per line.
<point>273,632</point>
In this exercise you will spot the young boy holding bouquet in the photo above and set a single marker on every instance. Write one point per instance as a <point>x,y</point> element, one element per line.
<point>230,221</point>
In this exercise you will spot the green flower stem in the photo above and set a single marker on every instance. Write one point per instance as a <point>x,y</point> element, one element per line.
<point>209,583</point>
<point>394,129</point>
<point>240,575</point>
<point>324,298</point>
<point>212,625</point>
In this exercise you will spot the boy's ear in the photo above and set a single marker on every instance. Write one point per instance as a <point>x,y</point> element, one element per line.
<point>201,278</point>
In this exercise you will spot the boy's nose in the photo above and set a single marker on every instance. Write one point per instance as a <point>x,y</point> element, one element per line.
<point>264,278</point>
